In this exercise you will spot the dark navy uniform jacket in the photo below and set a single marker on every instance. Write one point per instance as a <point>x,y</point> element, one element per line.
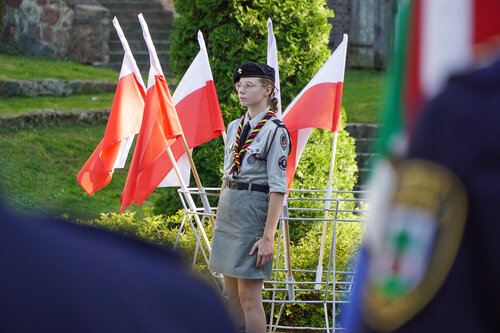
<point>460,130</point>
<point>56,276</point>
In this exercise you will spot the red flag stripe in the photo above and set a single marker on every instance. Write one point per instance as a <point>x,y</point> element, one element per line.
<point>315,112</point>
<point>124,121</point>
<point>159,129</point>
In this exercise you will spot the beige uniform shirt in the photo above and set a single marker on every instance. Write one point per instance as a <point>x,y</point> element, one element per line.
<point>271,171</point>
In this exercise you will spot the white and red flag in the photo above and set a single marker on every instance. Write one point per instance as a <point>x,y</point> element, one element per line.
<point>199,112</point>
<point>317,106</point>
<point>159,130</point>
<point>123,123</point>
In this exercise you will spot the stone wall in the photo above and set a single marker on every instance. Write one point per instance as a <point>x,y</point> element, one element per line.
<point>368,24</point>
<point>52,87</point>
<point>58,29</point>
<point>54,117</point>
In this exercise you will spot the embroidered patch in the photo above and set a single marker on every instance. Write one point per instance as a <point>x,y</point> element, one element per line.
<point>415,244</point>
<point>251,160</point>
<point>283,141</point>
<point>282,163</point>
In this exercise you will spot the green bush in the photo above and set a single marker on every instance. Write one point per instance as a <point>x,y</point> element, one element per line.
<point>160,230</point>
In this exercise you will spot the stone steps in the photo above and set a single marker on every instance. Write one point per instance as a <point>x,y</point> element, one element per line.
<point>365,136</point>
<point>159,22</point>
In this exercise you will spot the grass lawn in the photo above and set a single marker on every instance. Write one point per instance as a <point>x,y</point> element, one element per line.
<point>38,172</point>
<point>363,94</point>
<point>23,104</point>
<point>29,68</point>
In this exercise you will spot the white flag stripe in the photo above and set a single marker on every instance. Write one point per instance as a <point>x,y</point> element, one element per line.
<point>155,68</point>
<point>196,75</point>
<point>171,178</point>
<point>272,60</point>
<point>121,157</point>
<point>330,72</point>
<point>302,137</point>
<point>129,66</point>
<point>446,43</point>
<point>121,36</point>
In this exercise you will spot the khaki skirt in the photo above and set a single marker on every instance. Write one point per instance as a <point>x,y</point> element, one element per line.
<point>240,222</point>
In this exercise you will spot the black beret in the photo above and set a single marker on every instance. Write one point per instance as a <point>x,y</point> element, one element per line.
<point>252,69</point>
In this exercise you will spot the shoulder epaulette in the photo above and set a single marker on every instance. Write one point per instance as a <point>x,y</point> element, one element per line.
<point>278,122</point>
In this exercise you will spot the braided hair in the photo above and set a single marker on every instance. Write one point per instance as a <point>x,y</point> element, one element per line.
<point>272,101</point>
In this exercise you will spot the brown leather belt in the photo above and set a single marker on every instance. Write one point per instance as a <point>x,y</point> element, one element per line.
<point>236,185</point>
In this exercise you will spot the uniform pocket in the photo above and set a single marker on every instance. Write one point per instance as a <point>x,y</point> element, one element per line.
<point>257,149</point>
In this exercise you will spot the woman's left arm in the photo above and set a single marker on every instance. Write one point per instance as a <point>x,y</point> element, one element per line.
<point>265,245</point>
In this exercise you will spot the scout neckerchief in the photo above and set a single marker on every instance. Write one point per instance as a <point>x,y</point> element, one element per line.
<point>240,147</point>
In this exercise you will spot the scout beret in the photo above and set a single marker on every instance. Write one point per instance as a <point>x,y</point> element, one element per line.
<point>252,69</point>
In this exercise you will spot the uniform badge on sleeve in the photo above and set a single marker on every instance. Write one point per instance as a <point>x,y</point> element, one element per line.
<point>251,160</point>
<point>414,245</point>
<point>283,141</point>
<point>282,163</point>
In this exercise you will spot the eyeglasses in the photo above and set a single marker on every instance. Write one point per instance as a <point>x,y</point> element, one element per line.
<point>247,86</point>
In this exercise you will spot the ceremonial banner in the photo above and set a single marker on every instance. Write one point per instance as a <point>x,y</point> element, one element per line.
<point>317,106</point>
<point>159,129</point>
<point>123,123</point>
<point>198,109</point>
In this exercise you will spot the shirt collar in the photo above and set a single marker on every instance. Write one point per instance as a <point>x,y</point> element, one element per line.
<point>255,121</point>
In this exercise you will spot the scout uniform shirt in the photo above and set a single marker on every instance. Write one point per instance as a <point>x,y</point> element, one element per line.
<point>241,214</point>
<point>265,159</point>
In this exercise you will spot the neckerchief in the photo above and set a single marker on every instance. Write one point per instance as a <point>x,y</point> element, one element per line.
<point>240,149</point>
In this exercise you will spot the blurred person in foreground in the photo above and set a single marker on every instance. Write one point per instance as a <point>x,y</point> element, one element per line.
<point>430,262</point>
<point>56,276</point>
<point>435,265</point>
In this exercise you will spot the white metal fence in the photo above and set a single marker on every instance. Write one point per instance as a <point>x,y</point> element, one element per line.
<point>327,289</point>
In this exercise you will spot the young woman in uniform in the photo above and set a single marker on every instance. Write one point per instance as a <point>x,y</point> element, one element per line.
<point>253,189</point>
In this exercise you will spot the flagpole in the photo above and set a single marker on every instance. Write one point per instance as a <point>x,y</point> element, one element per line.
<point>319,268</point>
<point>224,137</point>
<point>190,200</point>
<point>203,195</point>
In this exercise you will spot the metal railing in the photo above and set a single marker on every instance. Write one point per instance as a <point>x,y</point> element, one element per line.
<point>305,208</point>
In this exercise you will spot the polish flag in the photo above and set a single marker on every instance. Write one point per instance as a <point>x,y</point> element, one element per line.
<point>272,60</point>
<point>123,123</point>
<point>198,109</point>
<point>317,106</point>
<point>159,130</point>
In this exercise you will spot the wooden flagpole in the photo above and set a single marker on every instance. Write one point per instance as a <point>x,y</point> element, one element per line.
<point>190,200</point>
<point>319,269</point>
<point>203,195</point>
